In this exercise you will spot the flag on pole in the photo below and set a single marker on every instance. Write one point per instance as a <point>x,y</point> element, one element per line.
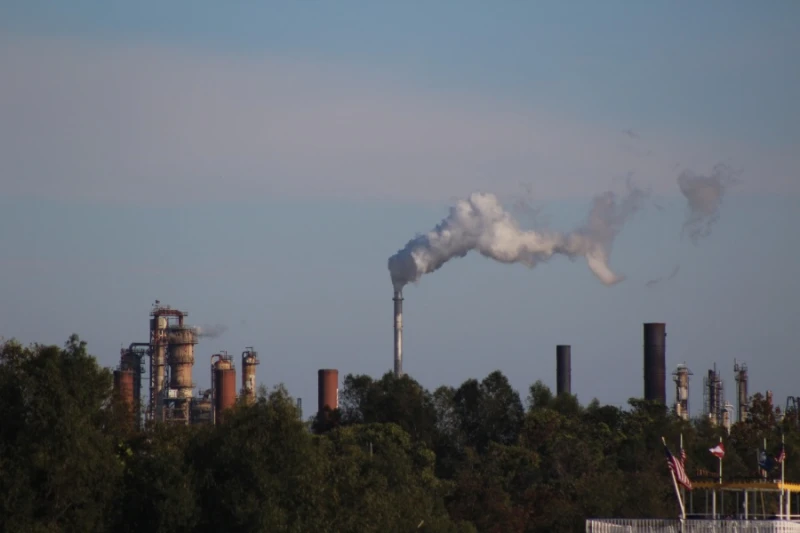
<point>677,468</point>
<point>766,462</point>
<point>718,450</point>
<point>781,454</point>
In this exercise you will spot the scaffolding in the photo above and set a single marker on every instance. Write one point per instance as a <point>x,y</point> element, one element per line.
<point>681,379</point>
<point>740,371</point>
<point>714,397</point>
<point>160,318</point>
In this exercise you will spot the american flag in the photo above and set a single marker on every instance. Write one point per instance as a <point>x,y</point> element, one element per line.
<point>781,454</point>
<point>677,467</point>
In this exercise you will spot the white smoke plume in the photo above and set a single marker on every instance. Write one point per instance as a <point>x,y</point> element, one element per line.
<point>481,223</point>
<point>704,195</point>
<point>210,332</point>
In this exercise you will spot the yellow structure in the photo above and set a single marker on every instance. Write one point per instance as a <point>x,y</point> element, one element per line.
<point>752,499</point>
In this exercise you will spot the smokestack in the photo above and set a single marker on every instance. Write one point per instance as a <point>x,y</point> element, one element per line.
<point>327,389</point>
<point>398,333</point>
<point>563,370</point>
<point>655,340</point>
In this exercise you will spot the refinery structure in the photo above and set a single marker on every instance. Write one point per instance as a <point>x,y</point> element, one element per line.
<point>168,359</point>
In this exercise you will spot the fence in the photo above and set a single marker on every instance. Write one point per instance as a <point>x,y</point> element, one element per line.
<point>690,526</point>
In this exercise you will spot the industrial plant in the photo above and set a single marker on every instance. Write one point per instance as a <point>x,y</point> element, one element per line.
<point>168,359</point>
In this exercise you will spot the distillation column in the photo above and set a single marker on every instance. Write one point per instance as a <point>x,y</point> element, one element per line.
<point>181,360</point>
<point>740,370</point>
<point>158,361</point>
<point>249,362</point>
<point>681,379</point>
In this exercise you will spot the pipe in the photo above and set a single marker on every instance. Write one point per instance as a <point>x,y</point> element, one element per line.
<point>213,403</point>
<point>398,333</point>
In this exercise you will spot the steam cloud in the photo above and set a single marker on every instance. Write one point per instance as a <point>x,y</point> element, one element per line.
<point>210,332</point>
<point>481,223</point>
<point>704,196</point>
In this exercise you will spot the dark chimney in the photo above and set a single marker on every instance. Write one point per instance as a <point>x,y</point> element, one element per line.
<point>655,376</point>
<point>563,370</point>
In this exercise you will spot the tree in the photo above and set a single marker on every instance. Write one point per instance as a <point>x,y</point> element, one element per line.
<point>59,470</point>
<point>400,401</point>
<point>489,411</point>
<point>259,471</point>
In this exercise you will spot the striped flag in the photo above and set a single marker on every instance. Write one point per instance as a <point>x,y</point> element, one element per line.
<point>781,455</point>
<point>718,450</point>
<point>683,457</point>
<point>677,468</point>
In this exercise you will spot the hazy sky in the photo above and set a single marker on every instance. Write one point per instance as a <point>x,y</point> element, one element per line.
<point>257,166</point>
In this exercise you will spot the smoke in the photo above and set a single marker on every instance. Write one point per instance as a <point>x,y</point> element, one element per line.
<point>210,332</point>
<point>704,195</point>
<point>481,223</point>
<point>654,282</point>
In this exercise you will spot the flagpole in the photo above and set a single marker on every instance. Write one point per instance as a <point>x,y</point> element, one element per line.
<point>675,484</point>
<point>721,494</point>
<point>766,475</point>
<point>683,489</point>
<point>784,512</point>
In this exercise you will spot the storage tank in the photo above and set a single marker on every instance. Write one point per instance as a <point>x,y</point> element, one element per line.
<point>328,389</point>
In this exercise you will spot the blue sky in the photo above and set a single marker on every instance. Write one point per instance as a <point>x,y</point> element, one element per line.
<point>258,165</point>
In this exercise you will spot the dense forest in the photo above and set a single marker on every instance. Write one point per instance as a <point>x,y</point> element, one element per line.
<point>394,457</point>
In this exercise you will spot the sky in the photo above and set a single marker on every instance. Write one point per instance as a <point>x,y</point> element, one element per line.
<point>256,166</point>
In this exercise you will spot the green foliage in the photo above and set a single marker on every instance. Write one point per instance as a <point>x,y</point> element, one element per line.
<point>58,464</point>
<point>393,457</point>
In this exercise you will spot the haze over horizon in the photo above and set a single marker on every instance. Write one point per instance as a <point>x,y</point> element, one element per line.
<point>258,166</point>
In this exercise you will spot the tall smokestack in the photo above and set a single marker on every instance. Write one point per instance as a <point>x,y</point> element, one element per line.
<point>398,333</point>
<point>655,340</point>
<point>327,389</point>
<point>563,370</point>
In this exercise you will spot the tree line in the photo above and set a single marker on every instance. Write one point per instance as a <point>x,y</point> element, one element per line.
<point>393,457</point>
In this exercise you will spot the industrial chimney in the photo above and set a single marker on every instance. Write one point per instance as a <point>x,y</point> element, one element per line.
<point>123,386</point>
<point>328,389</point>
<point>223,385</point>
<point>398,333</point>
<point>563,370</point>
<point>655,336</point>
